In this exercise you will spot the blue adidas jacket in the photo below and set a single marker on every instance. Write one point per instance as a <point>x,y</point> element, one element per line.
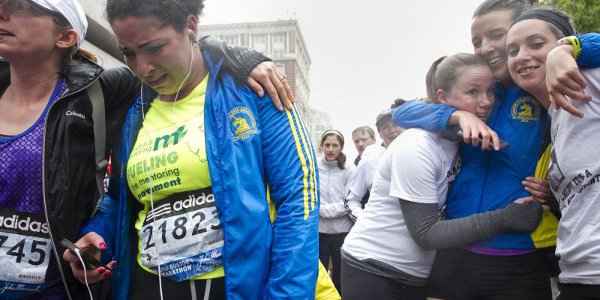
<point>270,160</point>
<point>489,180</point>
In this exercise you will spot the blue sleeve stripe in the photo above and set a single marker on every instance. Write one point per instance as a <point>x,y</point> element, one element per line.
<point>312,158</point>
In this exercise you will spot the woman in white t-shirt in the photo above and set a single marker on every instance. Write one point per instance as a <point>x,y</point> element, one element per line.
<point>574,171</point>
<point>334,221</point>
<point>391,247</point>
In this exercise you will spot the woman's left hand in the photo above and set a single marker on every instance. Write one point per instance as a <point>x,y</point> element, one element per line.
<point>539,189</point>
<point>563,79</point>
<point>266,76</point>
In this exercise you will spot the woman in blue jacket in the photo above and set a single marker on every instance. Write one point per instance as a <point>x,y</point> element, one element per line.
<point>200,160</point>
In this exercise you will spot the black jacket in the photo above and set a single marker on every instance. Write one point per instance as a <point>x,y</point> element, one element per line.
<point>69,187</point>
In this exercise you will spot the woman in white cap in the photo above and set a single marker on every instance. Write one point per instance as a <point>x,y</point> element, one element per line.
<point>47,173</point>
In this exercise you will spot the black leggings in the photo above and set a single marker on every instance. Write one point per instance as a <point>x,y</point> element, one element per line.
<point>330,246</point>
<point>470,276</point>
<point>579,292</point>
<point>360,285</point>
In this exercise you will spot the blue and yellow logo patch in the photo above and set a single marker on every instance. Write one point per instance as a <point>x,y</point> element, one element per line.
<point>243,123</point>
<point>525,110</point>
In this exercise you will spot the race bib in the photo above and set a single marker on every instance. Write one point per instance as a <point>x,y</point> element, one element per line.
<point>24,249</point>
<point>183,234</point>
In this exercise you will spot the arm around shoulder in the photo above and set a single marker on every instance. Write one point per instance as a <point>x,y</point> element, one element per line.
<point>589,57</point>
<point>420,114</point>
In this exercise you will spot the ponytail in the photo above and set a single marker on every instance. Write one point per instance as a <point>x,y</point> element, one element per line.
<point>444,72</point>
<point>432,86</point>
<point>87,54</point>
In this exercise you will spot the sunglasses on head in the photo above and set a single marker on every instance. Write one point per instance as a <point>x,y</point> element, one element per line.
<point>24,7</point>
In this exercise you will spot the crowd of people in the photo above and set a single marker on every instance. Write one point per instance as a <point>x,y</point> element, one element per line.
<point>485,171</point>
<point>488,189</point>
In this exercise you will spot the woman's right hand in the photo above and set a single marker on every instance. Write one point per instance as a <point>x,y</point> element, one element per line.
<point>93,276</point>
<point>475,131</point>
<point>564,80</point>
<point>266,76</point>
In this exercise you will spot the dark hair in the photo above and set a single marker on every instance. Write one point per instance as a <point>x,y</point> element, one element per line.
<point>341,159</point>
<point>364,129</point>
<point>559,23</point>
<point>445,70</point>
<point>386,116</point>
<point>517,7</point>
<point>397,102</point>
<point>382,119</point>
<point>170,12</point>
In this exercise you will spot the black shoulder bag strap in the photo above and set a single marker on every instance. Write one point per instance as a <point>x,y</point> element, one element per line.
<point>99,119</point>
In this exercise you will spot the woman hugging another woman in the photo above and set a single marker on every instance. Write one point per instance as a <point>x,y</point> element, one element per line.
<point>392,246</point>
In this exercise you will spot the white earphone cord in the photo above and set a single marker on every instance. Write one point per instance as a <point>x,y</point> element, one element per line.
<point>187,75</point>
<point>87,285</point>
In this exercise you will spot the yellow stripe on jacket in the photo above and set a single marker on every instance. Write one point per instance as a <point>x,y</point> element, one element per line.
<point>325,289</point>
<point>303,162</point>
<point>545,234</point>
<point>312,160</point>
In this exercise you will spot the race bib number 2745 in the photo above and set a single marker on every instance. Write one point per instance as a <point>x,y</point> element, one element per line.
<point>24,248</point>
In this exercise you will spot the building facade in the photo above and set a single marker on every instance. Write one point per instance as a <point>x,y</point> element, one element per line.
<point>280,40</point>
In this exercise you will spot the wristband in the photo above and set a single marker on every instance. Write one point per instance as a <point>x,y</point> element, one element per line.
<point>574,42</point>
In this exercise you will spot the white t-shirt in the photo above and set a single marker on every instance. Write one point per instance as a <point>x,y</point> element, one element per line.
<point>415,167</point>
<point>575,181</point>
<point>362,180</point>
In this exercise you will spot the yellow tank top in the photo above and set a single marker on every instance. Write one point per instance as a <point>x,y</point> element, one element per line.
<point>167,172</point>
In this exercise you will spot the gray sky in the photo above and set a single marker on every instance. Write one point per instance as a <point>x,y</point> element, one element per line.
<point>364,53</point>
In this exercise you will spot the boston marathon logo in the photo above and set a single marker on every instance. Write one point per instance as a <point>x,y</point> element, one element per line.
<point>181,203</point>
<point>525,110</point>
<point>243,123</point>
<point>25,224</point>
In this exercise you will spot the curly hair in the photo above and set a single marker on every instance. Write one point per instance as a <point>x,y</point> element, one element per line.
<point>170,12</point>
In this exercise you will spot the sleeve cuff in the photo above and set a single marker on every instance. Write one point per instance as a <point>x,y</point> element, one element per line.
<point>443,117</point>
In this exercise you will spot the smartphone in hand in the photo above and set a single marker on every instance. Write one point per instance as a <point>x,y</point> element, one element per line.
<point>88,254</point>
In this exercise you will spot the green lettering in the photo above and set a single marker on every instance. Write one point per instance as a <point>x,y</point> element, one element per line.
<point>165,142</point>
<point>158,161</point>
<point>172,157</point>
<point>179,134</point>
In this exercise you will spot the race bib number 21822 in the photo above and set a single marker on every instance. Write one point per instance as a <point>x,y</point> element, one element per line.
<point>183,234</point>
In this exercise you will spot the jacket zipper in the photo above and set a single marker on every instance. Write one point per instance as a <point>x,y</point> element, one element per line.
<point>56,255</point>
